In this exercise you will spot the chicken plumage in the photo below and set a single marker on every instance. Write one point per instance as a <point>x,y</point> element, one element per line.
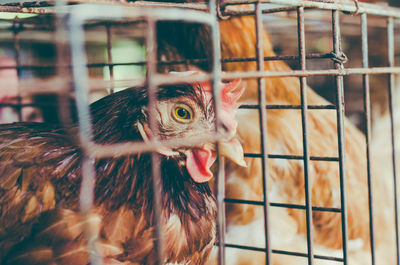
<point>40,179</point>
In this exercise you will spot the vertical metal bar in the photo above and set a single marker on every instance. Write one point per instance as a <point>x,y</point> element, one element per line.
<point>109,56</point>
<point>221,223</point>
<point>263,125</point>
<point>390,32</point>
<point>367,112</point>
<point>81,84</point>
<point>63,59</point>
<point>151,59</point>
<point>304,121</point>
<point>17,53</point>
<point>340,130</point>
<point>216,75</point>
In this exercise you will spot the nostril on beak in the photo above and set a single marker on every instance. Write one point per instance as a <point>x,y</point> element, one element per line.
<point>225,128</point>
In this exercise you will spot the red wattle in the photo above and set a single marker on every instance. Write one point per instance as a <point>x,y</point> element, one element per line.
<point>198,163</point>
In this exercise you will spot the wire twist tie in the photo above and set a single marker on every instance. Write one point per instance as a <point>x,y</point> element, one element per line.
<point>355,13</point>
<point>221,10</point>
<point>340,57</point>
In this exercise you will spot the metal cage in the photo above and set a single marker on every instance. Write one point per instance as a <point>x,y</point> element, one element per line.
<point>73,65</point>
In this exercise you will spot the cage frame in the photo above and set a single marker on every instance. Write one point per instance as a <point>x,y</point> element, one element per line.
<point>300,6</point>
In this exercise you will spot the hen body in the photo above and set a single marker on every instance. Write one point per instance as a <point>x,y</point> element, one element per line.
<point>40,178</point>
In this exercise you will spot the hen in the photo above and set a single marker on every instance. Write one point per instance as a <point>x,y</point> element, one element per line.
<point>40,178</point>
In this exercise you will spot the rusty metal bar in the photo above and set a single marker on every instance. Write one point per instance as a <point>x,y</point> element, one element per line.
<point>344,6</point>
<point>349,6</point>
<point>247,12</point>
<point>367,116</point>
<point>29,10</point>
<point>263,126</point>
<point>340,130</point>
<point>304,123</point>
<point>151,69</point>
<point>391,93</point>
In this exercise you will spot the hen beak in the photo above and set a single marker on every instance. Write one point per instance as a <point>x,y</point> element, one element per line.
<point>233,151</point>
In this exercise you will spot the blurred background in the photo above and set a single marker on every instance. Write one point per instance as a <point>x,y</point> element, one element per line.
<point>37,43</point>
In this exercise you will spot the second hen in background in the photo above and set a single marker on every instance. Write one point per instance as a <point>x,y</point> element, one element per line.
<point>245,223</point>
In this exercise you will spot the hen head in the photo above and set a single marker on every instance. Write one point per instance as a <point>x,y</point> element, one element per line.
<point>182,111</point>
<point>187,111</point>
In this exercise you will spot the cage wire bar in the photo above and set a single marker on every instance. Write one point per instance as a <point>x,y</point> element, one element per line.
<point>391,87</point>
<point>220,187</point>
<point>263,126</point>
<point>340,130</point>
<point>151,69</point>
<point>304,122</point>
<point>367,117</point>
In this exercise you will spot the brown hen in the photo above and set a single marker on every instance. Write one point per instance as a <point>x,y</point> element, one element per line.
<point>40,179</point>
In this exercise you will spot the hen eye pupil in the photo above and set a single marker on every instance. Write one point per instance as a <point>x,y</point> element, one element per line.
<point>182,113</point>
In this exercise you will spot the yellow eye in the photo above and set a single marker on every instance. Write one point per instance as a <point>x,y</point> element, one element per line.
<point>182,114</point>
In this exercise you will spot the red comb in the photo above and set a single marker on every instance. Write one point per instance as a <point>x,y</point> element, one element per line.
<point>229,94</point>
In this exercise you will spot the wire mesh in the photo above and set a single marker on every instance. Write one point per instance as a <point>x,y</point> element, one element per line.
<point>81,19</point>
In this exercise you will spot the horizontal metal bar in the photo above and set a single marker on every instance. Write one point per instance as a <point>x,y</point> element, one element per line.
<point>306,73</point>
<point>291,253</point>
<point>2,104</point>
<point>280,57</point>
<point>55,84</point>
<point>347,6</point>
<point>293,107</point>
<point>303,207</point>
<point>189,61</point>
<point>283,205</point>
<point>28,10</point>
<point>327,5</point>
<point>89,65</point>
<point>17,105</point>
<point>282,252</point>
<point>294,157</point>
<point>247,11</point>
<point>5,6</point>
<point>81,13</point>
<point>134,147</point>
